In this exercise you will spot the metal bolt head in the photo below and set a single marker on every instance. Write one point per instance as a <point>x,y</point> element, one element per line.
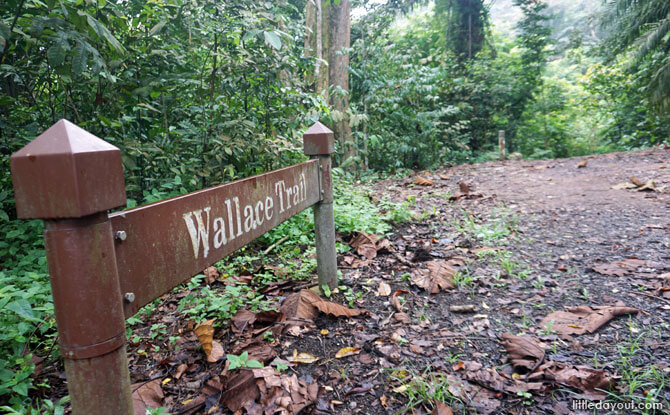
<point>129,297</point>
<point>120,235</point>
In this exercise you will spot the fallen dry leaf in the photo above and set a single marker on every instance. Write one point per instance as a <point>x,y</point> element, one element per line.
<point>384,289</point>
<point>483,400</point>
<point>395,300</point>
<point>216,353</point>
<point>243,320</point>
<point>524,351</point>
<point>441,409</point>
<point>583,319</point>
<point>347,351</point>
<point>205,332</point>
<point>583,164</point>
<point>421,181</point>
<point>464,188</point>
<point>211,274</point>
<point>180,370</point>
<point>147,395</point>
<point>303,305</point>
<point>368,244</point>
<point>623,186</point>
<point>304,358</point>
<point>438,277</point>
<point>620,268</point>
<point>591,382</point>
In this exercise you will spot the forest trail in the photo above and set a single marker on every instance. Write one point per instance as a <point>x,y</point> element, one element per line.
<point>582,234</point>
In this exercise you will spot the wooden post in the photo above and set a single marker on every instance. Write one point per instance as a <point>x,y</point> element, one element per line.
<point>70,178</point>
<point>319,143</point>
<point>501,144</point>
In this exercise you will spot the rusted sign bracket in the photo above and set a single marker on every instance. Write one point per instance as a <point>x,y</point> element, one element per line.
<point>103,268</point>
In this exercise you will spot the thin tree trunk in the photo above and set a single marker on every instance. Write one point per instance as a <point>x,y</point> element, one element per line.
<point>340,40</point>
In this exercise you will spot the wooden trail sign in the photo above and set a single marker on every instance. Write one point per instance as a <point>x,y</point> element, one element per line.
<point>104,267</point>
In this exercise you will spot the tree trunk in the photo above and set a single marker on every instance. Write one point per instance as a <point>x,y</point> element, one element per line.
<point>338,60</point>
<point>328,38</point>
<point>317,44</point>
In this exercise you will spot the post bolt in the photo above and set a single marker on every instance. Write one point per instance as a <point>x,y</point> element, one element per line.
<point>129,297</point>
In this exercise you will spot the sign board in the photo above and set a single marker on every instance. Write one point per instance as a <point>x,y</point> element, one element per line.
<point>168,242</point>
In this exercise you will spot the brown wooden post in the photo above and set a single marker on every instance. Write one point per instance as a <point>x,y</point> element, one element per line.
<point>70,178</point>
<point>319,143</point>
<point>501,144</point>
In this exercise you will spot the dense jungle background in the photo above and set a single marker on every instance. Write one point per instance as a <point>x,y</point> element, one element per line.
<point>197,92</point>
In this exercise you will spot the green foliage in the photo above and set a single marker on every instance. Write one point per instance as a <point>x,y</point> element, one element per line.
<point>242,361</point>
<point>644,27</point>
<point>465,23</point>
<point>492,230</point>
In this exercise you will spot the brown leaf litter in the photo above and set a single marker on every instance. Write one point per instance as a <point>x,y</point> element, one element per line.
<point>583,319</point>
<point>438,277</point>
<point>304,305</point>
<point>368,244</point>
<point>147,395</point>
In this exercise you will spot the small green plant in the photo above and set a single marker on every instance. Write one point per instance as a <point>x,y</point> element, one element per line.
<point>499,224</point>
<point>157,411</point>
<point>526,396</point>
<point>280,366</point>
<point>242,361</point>
<point>547,330</point>
<point>325,289</point>
<point>538,283</point>
<point>269,337</point>
<point>349,295</point>
<point>464,279</point>
<point>157,330</point>
<point>424,389</point>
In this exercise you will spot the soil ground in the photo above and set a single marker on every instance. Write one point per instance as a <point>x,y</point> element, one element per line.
<point>525,241</point>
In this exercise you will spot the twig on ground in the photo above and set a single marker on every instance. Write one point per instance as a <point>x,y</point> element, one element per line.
<point>274,245</point>
<point>308,285</point>
<point>651,296</point>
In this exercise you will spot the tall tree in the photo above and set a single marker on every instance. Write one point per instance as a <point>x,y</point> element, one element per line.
<point>328,39</point>
<point>465,23</point>
<point>534,37</point>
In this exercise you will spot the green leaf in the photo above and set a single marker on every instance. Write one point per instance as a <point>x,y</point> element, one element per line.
<point>22,308</point>
<point>157,28</point>
<point>250,34</point>
<point>272,39</point>
<point>102,31</point>
<point>56,54</point>
<point>4,35</point>
<point>254,364</point>
<point>79,60</point>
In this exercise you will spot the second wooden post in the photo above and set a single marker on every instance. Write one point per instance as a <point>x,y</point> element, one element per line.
<point>319,142</point>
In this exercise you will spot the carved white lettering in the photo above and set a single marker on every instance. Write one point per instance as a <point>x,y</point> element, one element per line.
<point>219,233</point>
<point>269,205</point>
<point>199,233</point>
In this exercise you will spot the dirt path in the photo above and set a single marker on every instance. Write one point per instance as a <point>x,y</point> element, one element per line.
<point>566,220</point>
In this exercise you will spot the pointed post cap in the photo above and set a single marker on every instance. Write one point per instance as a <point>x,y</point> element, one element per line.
<point>67,172</point>
<point>318,140</point>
